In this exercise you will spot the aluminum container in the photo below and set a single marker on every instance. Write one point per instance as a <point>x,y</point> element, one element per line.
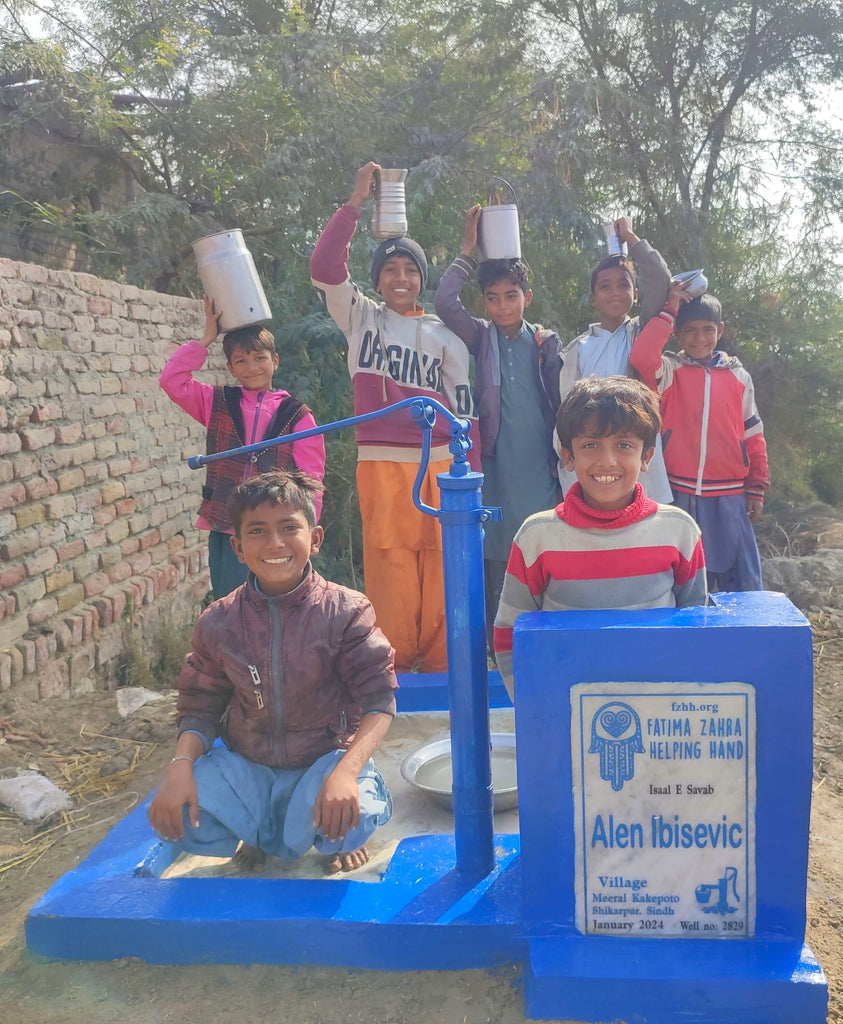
<point>389,219</point>
<point>698,282</point>
<point>498,233</point>
<point>613,243</point>
<point>230,278</point>
<point>429,769</point>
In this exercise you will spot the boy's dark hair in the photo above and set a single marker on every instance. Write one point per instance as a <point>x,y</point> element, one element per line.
<point>609,405</point>
<point>283,487</point>
<point>515,271</point>
<point>250,339</point>
<point>612,263</point>
<point>706,307</point>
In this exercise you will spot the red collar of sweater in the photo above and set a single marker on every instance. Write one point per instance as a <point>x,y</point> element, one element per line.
<point>574,511</point>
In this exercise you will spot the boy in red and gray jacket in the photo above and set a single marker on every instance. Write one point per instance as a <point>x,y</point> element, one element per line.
<point>712,435</point>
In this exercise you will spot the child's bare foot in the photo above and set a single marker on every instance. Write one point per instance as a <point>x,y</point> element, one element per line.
<point>347,861</point>
<point>249,858</point>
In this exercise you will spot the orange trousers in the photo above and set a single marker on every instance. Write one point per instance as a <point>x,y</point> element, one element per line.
<point>402,562</point>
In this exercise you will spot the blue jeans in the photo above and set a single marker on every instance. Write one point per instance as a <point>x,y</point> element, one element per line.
<point>272,808</point>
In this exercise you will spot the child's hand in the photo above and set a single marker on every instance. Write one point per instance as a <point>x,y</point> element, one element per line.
<point>754,508</point>
<point>677,294</point>
<point>212,322</point>
<point>363,184</point>
<point>177,789</point>
<point>469,235</point>
<point>337,807</point>
<point>623,229</point>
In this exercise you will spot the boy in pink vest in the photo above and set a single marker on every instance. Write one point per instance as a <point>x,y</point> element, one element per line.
<point>236,416</point>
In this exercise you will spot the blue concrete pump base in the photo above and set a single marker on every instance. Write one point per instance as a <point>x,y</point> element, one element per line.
<point>422,915</point>
<point>591,978</point>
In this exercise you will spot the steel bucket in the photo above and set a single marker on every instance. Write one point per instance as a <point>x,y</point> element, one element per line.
<point>498,233</point>
<point>389,219</point>
<point>230,278</point>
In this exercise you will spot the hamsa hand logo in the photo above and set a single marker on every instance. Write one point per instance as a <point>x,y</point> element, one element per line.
<point>616,737</point>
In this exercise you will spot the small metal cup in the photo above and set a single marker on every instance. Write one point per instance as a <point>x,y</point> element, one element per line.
<point>615,246</point>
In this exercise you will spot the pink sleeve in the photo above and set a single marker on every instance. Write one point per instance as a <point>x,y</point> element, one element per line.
<point>329,261</point>
<point>309,456</point>
<point>646,354</point>
<point>177,381</point>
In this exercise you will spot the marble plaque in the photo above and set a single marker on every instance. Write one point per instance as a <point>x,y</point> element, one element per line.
<point>664,807</point>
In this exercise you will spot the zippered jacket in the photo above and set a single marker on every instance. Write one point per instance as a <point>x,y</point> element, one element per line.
<point>478,336</point>
<point>391,357</point>
<point>226,430</point>
<point>257,409</point>
<point>712,435</point>
<point>285,679</point>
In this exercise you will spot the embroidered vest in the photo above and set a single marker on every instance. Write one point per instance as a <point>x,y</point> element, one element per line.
<point>226,430</point>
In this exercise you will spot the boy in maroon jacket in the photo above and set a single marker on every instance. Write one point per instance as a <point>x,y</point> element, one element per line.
<point>291,671</point>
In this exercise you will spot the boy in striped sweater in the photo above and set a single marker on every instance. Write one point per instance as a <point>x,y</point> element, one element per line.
<point>607,545</point>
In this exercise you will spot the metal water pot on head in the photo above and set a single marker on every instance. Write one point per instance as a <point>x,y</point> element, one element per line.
<point>389,219</point>
<point>613,242</point>
<point>498,230</point>
<point>230,278</point>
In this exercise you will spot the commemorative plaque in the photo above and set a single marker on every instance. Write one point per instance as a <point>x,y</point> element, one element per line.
<point>664,807</point>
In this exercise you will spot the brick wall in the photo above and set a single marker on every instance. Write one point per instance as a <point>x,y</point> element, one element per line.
<point>97,504</point>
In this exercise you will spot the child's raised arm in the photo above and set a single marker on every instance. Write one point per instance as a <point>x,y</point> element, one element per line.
<point>212,322</point>
<point>448,306</point>
<point>470,226</point>
<point>646,354</point>
<point>363,184</point>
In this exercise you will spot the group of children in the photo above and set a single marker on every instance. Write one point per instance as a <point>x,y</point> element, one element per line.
<point>296,674</point>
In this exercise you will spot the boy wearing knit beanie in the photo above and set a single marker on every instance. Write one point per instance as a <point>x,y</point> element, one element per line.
<point>396,351</point>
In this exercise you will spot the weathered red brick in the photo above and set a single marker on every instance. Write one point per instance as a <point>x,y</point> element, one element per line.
<point>46,412</point>
<point>89,499</point>
<point>10,443</point>
<point>35,438</point>
<point>94,540</point>
<point>40,487</point>
<point>148,539</point>
<point>69,598</point>
<point>41,562</point>
<point>69,434</point>
<point>11,495</point>
<point>129,546</point>
<point>42,610</point>
<point>125,507</point>
<point>71,479</point>
<point>119,572</point>
<point>11,575</point>
<point>70,550</point>
<point>106,514</point>
<point>99,306</point>
<point>95,584</point>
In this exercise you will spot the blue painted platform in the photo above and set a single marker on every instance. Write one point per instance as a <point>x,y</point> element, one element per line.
<point>103,910</point>
<point>115,904</point>
<point>423,914</point>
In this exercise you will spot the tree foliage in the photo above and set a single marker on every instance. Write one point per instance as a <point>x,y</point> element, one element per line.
<point>707,120</point>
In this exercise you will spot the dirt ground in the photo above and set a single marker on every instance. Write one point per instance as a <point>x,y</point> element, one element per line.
<point>108,764</point>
